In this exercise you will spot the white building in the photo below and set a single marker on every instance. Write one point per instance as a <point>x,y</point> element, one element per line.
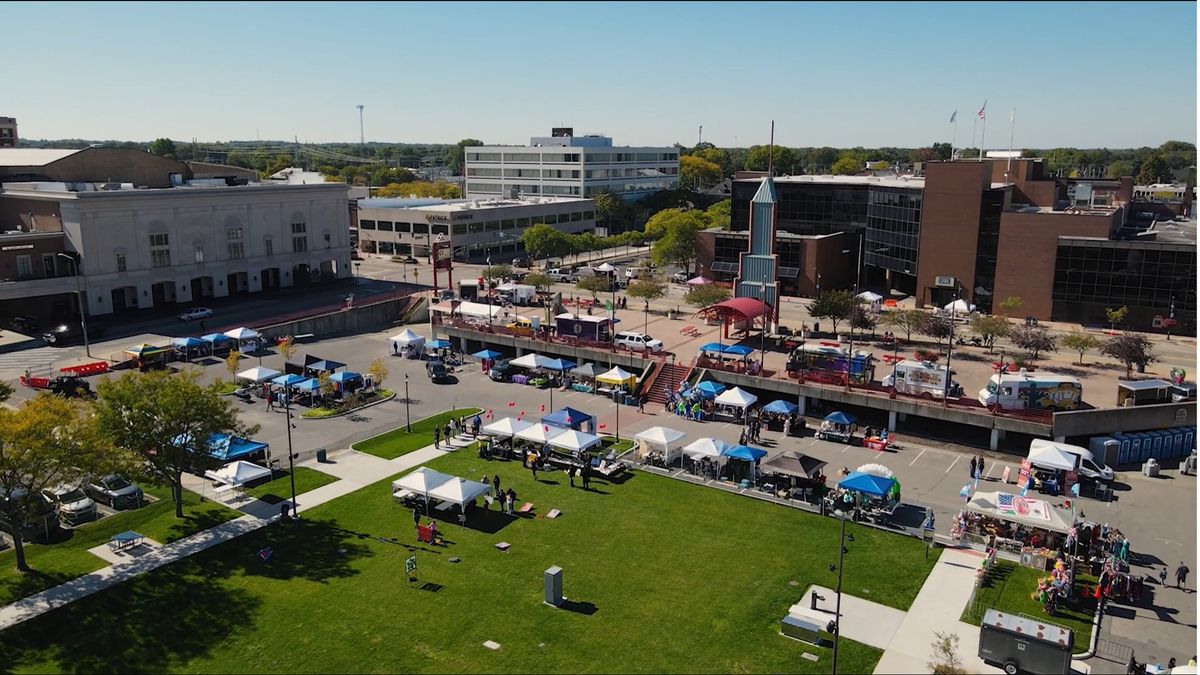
<point>571,166</point>
<point>143,248</point>
<point>476,228</point>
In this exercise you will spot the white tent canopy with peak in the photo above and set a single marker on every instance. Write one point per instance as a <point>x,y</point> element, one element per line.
<point>507,427</point>
<point>531,361</point>
<point>659,439</point>
<point>258,374</point>
<point>736,397</point>
<point>573,440</point>
<point>616,375</point>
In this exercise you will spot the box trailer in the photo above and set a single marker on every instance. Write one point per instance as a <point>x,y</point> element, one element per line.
<point>592,328</point>
<point>1023,645</point>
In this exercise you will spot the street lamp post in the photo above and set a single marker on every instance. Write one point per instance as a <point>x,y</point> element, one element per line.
<point>646,318</point>
<point>407,415</point>
<point>287,408</point>
<point>357,272</point>
<point>949,353</point>
<point>87,346</point>
<point>1171,318</point>
<point>841,566</point>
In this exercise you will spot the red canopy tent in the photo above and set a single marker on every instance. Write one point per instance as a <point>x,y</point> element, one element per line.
<point>737,309</point>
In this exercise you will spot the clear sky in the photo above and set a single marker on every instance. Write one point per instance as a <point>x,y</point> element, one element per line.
<point>1120,74</point>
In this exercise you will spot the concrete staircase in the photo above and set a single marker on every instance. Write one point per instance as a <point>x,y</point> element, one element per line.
<point>667,380</point>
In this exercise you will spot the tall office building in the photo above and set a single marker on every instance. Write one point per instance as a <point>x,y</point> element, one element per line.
<point>8,132</point>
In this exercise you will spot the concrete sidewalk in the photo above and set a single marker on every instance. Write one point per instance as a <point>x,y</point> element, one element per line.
<point>862,620</point>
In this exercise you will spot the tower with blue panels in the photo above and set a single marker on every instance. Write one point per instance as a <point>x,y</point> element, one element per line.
<point>758,269</point>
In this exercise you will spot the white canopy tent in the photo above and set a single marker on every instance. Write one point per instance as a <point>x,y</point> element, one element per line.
<point>459,491</point>
<point>1051,455</point>
<point>243,333</point>
<point>237,474</point>
<point>258,374</point>
<point>419,482</point>
<point>736,397</point>
<point>471,310</point>
<point>1024,510</point>
<point>960,306</point>
<point>531,360</point>
<point>405,339</point>
<point>538,433</point>
<point>707,447</point>
<point>506,428</point>
<point>661,439</point>
<point>869,296</point>
<point>573,440</point>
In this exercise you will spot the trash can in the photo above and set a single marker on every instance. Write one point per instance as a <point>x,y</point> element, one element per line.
<point>321,455</point>
<point>1150,468</point>
<point>816,327</point>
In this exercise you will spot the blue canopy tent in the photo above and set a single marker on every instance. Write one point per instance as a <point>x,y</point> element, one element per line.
<point>745,452</point>
<point>559,365</point>
<point>345,379</point>
<point>875,486</point>
<point>214,338</point>
<point>310,385</point>
<point>487,354</point>
<point>713,347</point>
<point>187,345</point>
<point>709,388</point>
<point>781,407</point>
<point>438,344</point>
<point>738,350</point>
<point>840,417</point>
<point>288,380</point>
<point>570,418</point>
<point>228,448</point>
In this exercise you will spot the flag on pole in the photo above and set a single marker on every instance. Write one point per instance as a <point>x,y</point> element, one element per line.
<point>983,111</point>
<point>1012,116</point>
<point>953,115</point>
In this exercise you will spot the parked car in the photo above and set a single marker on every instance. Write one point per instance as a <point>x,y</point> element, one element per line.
<point>502,371</point>
<point>1183,392</point>
<point>679,277</point>
<point>73,504</point>
<point>40,523</point>
<point>562,274</point>
<point>408,259</point>
<point>114,491</point>
<point>196,313</point>
<point>438,372</point>
<point>25,324</point>
<point>70,332</point>
<point>522,261</point>
<point>637,341</point>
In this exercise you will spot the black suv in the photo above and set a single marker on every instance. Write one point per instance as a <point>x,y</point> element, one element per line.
<point>70,332</point>
<point>25,324</point>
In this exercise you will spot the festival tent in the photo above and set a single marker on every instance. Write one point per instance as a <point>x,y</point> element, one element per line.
<point>1024,510</point>
<point>745,452</point>
<point>616,375</point>
<point>459,491</point>
<point>530,360</point>
<point>876,486</point>
<point>738,350</point>
<point>438,344</point>
<point>420,481</point>
<point>560,365</point>
<point>188,342</point>
<point>258,374</point>
<point>289,380</point>
<point>228,448</point>
<point>144,350</point>
<point>781,407</point>
<point>707,447</point>
<point>324,366</point>
<point>661,439</point>
<point>1050,455</point>
<point>698,281</point>
<point>869,296</point>
<point>573,440</point>
<point>242,333</point>
<point>794,464</point>
<point>710,388</point>
<point>214,338</point>
<point>310,385</point>
<point>239,473</point>
<point>840,418</point>
<point>736,397</point>
<point>506,428</point>
<point>343,379</point>
<point>487,354</point>
<point>406,338</point>
<point>960,306</point>
<point>570,418</point>
<point>587,370</point>
<point>713,347</point>
<point>538,433</point>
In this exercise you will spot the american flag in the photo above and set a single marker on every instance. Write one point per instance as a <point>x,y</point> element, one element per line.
<point>983,111</point>
<point>1005,501</point>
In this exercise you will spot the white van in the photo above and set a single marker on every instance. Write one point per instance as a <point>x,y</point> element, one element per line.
<point>1086,465</point>
<point>562,274</point>
<point>637,342</point>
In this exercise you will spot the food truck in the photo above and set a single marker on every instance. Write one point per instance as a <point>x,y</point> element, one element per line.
<point>1019,644</point>
<point>827,363</point>
<point>583,327</point>
<point>921,378</point>
<point>1029,391</point>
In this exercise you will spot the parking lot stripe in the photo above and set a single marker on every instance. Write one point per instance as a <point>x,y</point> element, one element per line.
<point>916,458</point>
<point>952,464</point>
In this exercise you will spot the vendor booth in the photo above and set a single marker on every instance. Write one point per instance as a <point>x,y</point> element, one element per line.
<point>709,389</point>
<point>218,342</point>
<point>506,427</point>
<point>573,441</point>
<point>417,485</point>
<point>187,347</point>
<point>796,475</point>
<point>458,492</point>
<point>1016,522</point>
<point>871,497</point>
<point>618,380</point>
<point>319,366</point>
<point>227,448</point>
<point>570,418</point>
<point>705,456</point>
<point>248,339</point>
<point>781,415</point>
<point>838,427</point>
<point>149,356</point>
<point>236,475</point>
<point>346,381</point>
<point>659,446</point>
<point>258,374</point>
<point>538,434</point>
<point>733,403</point>
<point>407,344</point>
<point>747,467</point>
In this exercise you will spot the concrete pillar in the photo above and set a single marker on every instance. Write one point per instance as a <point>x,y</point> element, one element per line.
<point>903,417</point>
<point>802,402</point>
<point>520,352</point>
<point>462,344</point>
<point>892,415</point>
<point>994,443</point>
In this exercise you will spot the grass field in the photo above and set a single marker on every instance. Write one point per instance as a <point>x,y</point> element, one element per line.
<point>68,558</point>
<point>280,489</point>
<point>1008,587</point>
<point>398,441</point>
<point>662,576</point>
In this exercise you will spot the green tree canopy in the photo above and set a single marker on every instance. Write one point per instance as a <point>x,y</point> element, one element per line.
<point>455,155</point>
<point>719,214</point>
<point>716,156</point>
<point>706,295</point>
<point>1155,170</point>
<point>833,305</point>
<point>698,172</point>
<point>989,327</point>
<point>1130,349</point>
<point>543,241</point>
<point>661,222</point>
<point>593,285</point>
<point>540,281</point>
<point>1033,340</point>
<point>439,189</point>
<point>163,147</point>
<point>1080,342</point>
<point>907,320</point>
<point>647,289</point>
<point>846,166</point>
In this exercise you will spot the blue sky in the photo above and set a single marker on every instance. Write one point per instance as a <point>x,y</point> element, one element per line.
<point>839,74</point>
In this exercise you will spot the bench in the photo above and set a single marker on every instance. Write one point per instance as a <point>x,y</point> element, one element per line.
<point>125,541</point>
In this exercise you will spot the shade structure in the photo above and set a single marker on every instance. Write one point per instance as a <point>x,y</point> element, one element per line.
<point>710,388</point>
<point>421,481</point>
<point>736,397</point>
<point>587,370</point>
<point>242,333</point>
<point>745,452</point>
<point>616,375</point>
<point>311,384</point>
<point>876,486</point>
<point>215,338</point>
<point>1023,510</point>
<point>570,418</point>
<point>238,473</point>
<point>606,268</point>
<point>487,354</point>
<point>188,342</point>
<point>662,439</point>
<point>407,337</point>
<point>781,407</point>
<point>736,309</point>
<point>144,350</point>
<point>713,347</point>
<point>258,374</point>
<point>840,417</point>
<point>738,350</point>
<point>711,448</point>
<point>869,296</point>
<point>698,281</point>
<point>459,490</point>
<point>530,361</point>
<point>324,366</point>
<point>228,448</point>
<point>795,464</point>
<point>438,344</point>
<point>573,440</point>
<point>1051,455</point>
<point>960,306</point>
<point>506,427</point>
<point>538,433</point>
<point>288,380</point>
<point>345,376</point>
<point>560,365</point>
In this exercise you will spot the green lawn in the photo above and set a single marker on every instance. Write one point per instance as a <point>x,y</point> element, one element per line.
<point>1008,588</point>
<point>68,558</point>
<point>399,442</point>
<point>663,576</point>
<point>280,489</point>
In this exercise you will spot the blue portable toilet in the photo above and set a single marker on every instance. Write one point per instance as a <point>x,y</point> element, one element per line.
<point>1147,446</point>
<point>1126,444</point>
<point>1189,441</point>
<point>1176,443</point>
<point>1135,447</point>
<point>1156,450</point>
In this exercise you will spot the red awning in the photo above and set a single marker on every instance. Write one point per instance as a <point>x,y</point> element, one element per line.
<point>736,308</point>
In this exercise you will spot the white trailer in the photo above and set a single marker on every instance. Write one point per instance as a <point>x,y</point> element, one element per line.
<point>921,378</point>
<point>1025,390</point>
<point>517,294</point>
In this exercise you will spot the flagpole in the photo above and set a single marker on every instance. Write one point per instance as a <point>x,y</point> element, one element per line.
<point>1012,125</point>
<point>974,127</point>
<point>983,134</point>
<point>954,136</point>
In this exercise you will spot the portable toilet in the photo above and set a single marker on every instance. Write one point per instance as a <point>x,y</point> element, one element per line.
<point>1135,447</point>
<point>1189,441</point>
<point>1176,443</point>
<point>1126,444</point>
<point>1147,446</point>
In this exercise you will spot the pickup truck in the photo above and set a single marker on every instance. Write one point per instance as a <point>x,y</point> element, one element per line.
<point>70,332</point>
<point>562,275</point>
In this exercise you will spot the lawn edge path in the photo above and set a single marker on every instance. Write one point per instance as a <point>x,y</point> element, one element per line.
<point>399,442</point>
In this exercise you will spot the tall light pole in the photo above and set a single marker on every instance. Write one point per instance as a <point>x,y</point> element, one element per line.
<point>407,416</point>
<point>287,408</point>
<point>362,136</point>
<point>841,566</point>
<point>87,346</point>
<point>949,352</point>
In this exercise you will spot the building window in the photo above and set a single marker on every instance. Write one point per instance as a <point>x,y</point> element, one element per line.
<point>441,229</point>
<point>24,267</point>
<point>160,250</point>
<point>299,237</point>
<point>233,233</point>
<point>159,240</point>
<point>404,227</point>
<point>420,228</point>
<point>576,216</point>
<point>121,266</point>
<point>268,246</point>
<point>328,239</point>
<point>299,228</point>
<point>386,226</point>
<point>460,228</point>
<point>366,224</point>
<point>198,252</point>
<point>236,252</point>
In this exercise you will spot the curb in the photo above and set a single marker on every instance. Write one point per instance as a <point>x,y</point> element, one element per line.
<point>350,412</point>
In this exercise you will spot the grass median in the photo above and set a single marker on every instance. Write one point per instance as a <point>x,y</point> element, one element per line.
<point>1008,588</point>
<point>280,488</point>
<point>400,441</point>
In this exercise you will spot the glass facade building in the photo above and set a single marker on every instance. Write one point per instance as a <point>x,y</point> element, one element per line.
<point>1091,275</point>
<point>893,230</point>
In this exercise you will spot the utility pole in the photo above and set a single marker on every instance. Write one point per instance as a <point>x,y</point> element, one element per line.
<point>700,136</point>
<point>362,136</point>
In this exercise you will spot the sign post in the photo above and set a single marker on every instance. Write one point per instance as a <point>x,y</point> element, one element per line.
<point>410,568</point>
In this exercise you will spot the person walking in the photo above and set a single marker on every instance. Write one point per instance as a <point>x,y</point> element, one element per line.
<point>270,400</point>
<point>495,483</point>
<point>416,517</point>
<point>446,434</point>
<point>1162,577</point>
<point>974,468</point>
<point>980,467</point>
<point>587,475</point>
<point>1181,573</point>
<point>642,403</point>
<point>510,500</point>
<point>533,462</point>
<point>696,414</point>
<point>437,437</point>
<point>571,474</point>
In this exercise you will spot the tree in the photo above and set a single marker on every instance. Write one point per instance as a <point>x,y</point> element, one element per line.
<point>697,171</point>
<point>936,327</point>
<point>862,319</point>
<point>609,208</point>
<point>676,247</point>
<point>593,284</point>
<point>378,372</point>
<point>166,419</point>
<point>48,441</point>
<point>1116,316</point>
<point>846,166</point>
<point>540,281</point>
<point>833,305</point>
<point>706,295</point>
<point>455,155</point>
<point>907,320</point>
<point>233,361</point>
<point>945,655</point>
<point>1033,340</point>
<point>327,386</point>
<point>664,220</point>
<point>1012,303</point>
<point>1130,349</point>
<point>163,147</point>
<point>720,213</point>
<point>716,156</point>
<point>1078,341</point>
<point>757,158</point>
<point>543,241</point>
<point>941,151</point>
<point>647,289</point>
<point>989,327</point>
<point>1119,169</point>
<point>1155,170</point>
<point>287,347</point>
<point>438,189</point>
<point>495,273</point>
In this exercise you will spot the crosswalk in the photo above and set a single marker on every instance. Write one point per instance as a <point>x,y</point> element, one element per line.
<point>39,361</point>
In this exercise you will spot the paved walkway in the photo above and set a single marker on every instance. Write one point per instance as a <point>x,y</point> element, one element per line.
<point>353,468</point>
<point>862,620</point>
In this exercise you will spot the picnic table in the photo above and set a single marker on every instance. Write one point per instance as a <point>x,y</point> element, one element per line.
<point>125,541</point>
